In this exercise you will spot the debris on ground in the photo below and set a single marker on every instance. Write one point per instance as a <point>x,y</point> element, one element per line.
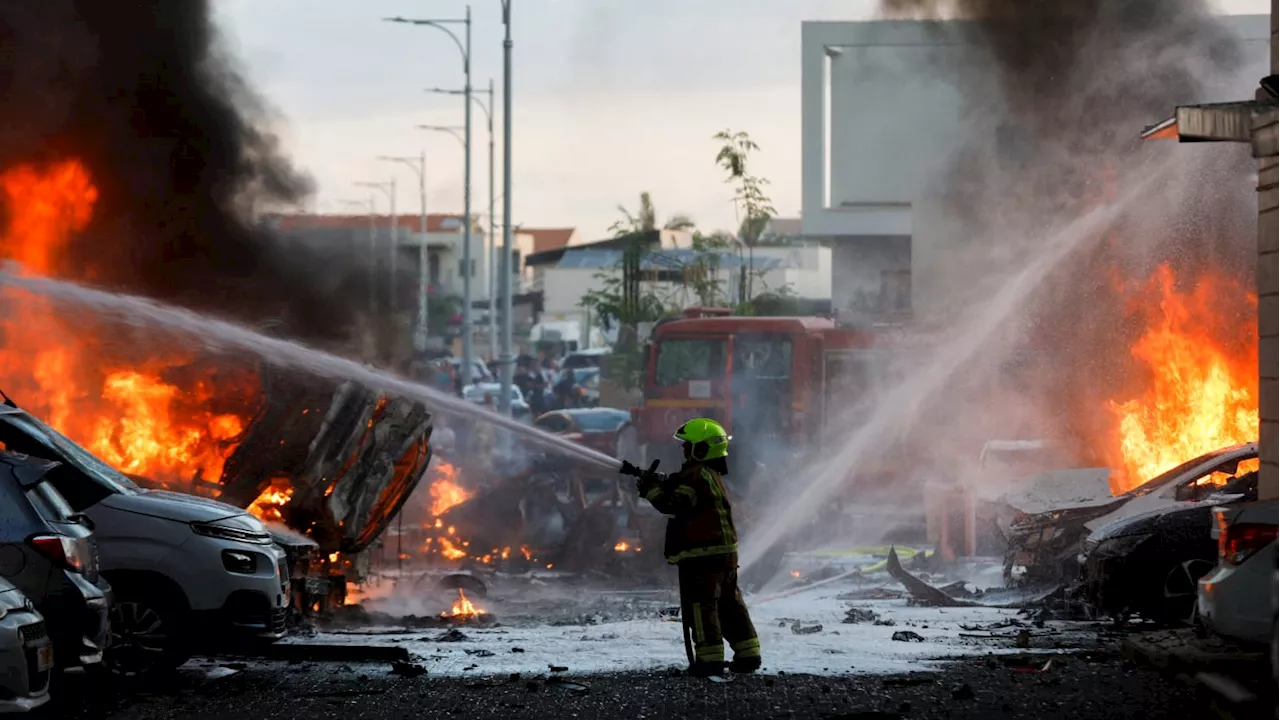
<point>921,592</point>
<point>314,652</point>
<point>479,652</point>
<point>907,636</point>
<point>860,615</point>
<point>558,668</point>
<point>802,628</point>
<point>962,691</point>
<point>452,635</point>
<point>574,687</point>
<point>407,669</point>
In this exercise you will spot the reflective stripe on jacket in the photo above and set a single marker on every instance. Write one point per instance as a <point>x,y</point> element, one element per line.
<point>701,521</point>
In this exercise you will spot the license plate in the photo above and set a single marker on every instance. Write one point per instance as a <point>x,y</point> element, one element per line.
<point>44,657</point>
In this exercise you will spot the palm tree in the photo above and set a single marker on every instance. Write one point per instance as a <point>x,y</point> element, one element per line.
<point>645,219</point>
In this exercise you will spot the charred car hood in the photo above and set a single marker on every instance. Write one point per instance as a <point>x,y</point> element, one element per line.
<point>1075,489</point>
<point>1151,506</point>
<point>173,506</point>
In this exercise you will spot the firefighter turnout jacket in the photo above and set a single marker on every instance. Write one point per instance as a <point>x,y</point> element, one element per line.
<point>701,522</point>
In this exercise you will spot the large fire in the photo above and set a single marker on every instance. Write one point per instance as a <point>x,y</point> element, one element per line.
<point>142,406</point>
<point>1201,354</point>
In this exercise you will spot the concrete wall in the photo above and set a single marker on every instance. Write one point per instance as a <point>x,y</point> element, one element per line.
<point>1264,148</point>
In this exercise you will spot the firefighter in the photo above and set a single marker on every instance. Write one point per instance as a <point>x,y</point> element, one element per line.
<point>703,544</point>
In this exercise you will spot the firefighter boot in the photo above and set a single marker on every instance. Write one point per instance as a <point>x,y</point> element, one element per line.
<point>746,656</point>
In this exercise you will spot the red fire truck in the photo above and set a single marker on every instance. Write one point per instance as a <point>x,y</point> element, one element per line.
<point>776,383</point>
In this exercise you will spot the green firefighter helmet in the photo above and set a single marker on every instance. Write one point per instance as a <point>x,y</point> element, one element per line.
<point>708,437</point>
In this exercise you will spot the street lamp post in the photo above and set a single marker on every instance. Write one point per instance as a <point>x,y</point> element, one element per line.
<point>505,363</point>
<point>419,166</point>
<point>465,49</point>
<point>491,262</point>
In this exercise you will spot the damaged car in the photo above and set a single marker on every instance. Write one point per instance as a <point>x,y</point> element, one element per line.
<point>184,570</point>
<point>1148,564</point>
<point>1056,511</point>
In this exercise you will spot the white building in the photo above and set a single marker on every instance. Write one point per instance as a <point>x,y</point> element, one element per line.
<point>806,271</point>
<point>879,123</point>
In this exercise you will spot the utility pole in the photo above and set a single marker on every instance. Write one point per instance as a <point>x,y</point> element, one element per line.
<point>505,362</point>
<point>492,235</point>
<point>419,166</point>
<point>388,189</point>
<point>465,49</point>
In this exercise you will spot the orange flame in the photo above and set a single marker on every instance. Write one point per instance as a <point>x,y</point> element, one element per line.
<point>156,418</point>
<point>1202,362</point>
<point>462,607</point>
<point>267,505</point>
<point>445,493</point>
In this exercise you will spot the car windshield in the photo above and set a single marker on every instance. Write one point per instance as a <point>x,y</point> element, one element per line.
<point>682,359</point>
<point>602,421</point>
<point>1169,476</point>
<point>67,451</point>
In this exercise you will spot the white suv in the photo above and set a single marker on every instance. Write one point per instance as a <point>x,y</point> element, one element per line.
<point>186,571</point>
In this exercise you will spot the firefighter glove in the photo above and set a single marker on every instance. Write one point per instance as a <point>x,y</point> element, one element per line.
<point>632,470</point>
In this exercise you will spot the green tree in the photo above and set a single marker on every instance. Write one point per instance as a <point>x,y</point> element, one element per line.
<point>645,219</point>
<point>752,202</point>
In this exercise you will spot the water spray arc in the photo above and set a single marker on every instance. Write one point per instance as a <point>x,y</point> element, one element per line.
<point>216,335</point>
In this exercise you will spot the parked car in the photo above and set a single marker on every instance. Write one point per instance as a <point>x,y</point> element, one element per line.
<point>1044,538</point>
<point>51,557</point>
<point>604,429</point>
<point>476,394</point>
<point>26,652</point>
<point>585,358</point>
<point>185,570</point>
<point>1149,564</point>
<point>1231,596</point>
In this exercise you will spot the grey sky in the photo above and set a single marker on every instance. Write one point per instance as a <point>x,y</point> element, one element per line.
<point>612,97</point>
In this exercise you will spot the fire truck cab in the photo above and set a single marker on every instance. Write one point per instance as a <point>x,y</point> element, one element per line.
<point>776,383</point>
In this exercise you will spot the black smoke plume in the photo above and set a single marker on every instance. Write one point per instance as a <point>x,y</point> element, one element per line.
<point>1057,92</point>
<point>145,94</point>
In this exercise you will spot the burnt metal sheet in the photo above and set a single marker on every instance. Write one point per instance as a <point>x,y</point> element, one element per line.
<point>1212,122</point>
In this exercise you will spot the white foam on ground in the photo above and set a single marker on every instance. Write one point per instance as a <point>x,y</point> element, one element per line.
<point>655,643</point>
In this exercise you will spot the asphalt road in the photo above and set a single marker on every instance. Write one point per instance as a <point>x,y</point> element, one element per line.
<point>1101,686</point>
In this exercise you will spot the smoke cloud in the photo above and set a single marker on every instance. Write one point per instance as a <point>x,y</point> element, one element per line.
<point>145,94</point>
<point>1056,103</point>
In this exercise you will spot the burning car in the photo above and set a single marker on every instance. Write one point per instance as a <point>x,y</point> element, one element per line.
<point>1056,511</point>
<point>1149,564</point>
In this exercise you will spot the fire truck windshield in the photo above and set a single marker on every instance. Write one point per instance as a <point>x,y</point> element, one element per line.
<point>681,360</point>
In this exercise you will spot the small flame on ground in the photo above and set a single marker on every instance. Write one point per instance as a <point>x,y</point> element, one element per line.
<point>795,573</point>
<point>622,546</point>
<point>462,608</point>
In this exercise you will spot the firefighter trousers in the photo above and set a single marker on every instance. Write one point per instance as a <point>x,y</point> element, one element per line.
<point>713,611</point>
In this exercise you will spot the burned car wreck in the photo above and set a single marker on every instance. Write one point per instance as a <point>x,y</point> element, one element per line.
<point>1047,533</point>
<point>1149,564</point>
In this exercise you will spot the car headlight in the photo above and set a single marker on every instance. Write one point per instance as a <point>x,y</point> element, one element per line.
<point>1121,545</point>
<point>234,534</point>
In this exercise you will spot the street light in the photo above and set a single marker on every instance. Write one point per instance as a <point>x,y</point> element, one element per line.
<point>490,269</point>
<point>505,362</point>
<point>465,49</point>
<point>419,166</point>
